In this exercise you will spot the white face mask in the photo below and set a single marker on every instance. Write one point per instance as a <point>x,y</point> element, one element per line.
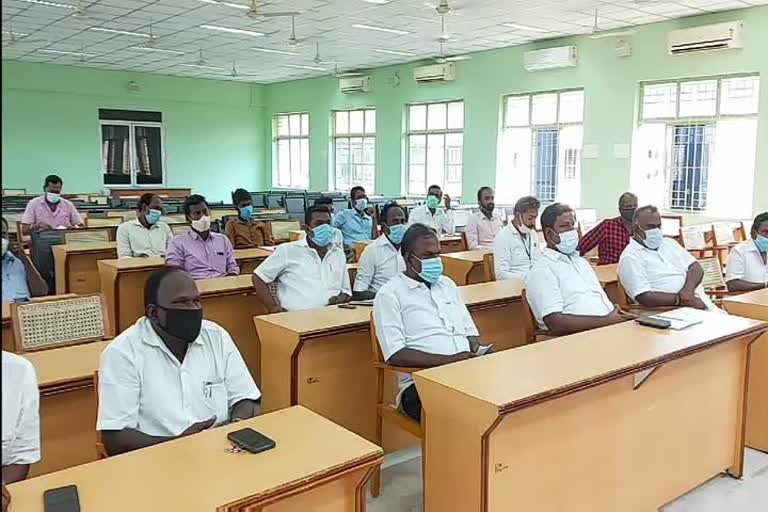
<point>202,224</point>
<point>5,245</point>
<point>52,197</point>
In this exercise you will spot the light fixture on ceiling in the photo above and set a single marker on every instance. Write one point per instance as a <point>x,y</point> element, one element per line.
<point>153,49</point>
<point>526,28</point>
<point>393,52</point>
<point>378,2</point>
<point>598,33</point>
<point>15,38</point>
<point>50,4</point>
<point>225,4</point>
<point>202,66</point>
<point>238,31</point>
<point>255,12</point>
<point>270,50</point>
<point>65,52</point>
<point>302,66</point>
<point>120,32</point>
<point>375,28</point>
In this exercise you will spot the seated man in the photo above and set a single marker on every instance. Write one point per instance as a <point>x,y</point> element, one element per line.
<point>657,271</point>
<point>355,223</point>
<point>483,226</point>
<point>50,210</point>
<point>431,215</point>
<point>21,418</point>
<point>310,273</point>
<point>244,232</point>
<point>611,236</point>
<point>381,260</point>
<point>562,289</point>
<point>21,280</point>
<point>146,235</point>
<point>747,265</point>
<point>200,252</point>
<point>516,247</point>
<point>171,374</point>
<point>327,203</point>
<point>420,317</point>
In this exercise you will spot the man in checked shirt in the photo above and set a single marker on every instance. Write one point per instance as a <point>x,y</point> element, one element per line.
<point>611,236</point>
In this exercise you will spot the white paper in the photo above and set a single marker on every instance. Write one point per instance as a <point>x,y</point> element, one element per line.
<point>590,151</point>
<point>621,151</point>
<point>681,318</point>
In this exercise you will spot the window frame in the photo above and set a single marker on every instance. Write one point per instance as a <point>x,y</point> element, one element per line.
<point>276,138</point>
<point>426,132</point>
<point>132,153</point>
<point>333,183</point>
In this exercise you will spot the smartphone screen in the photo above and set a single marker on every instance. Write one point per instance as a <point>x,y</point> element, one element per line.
<point>61,499</point>
<point>250,440</point>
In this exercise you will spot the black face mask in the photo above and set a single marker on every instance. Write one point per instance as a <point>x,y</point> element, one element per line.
<point>184,324</point>
<point>627,214</point>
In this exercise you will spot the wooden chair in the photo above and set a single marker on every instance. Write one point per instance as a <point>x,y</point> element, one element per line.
<point>713,281</point>
<point>42,325</point>
<point>86,236</point>
<point>101,450</point>
<point>280,230</point>
<point>174,218</point>
<point>389,412</point>
<point>126,215</point>
<point>625,303</point>
<point>489,265</point>
<point>179,229</point>
<point>533,332</point>
<point>100,222</point>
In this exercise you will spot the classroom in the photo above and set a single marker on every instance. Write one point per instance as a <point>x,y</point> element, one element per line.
<point>385,255</point>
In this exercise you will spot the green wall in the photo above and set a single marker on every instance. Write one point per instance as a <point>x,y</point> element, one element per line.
<point>611,89</point>
<point>213,129</point>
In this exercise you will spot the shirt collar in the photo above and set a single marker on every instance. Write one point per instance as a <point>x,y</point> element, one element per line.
<point>10,258</point>
<point>751,247</point>
<point>303,243</point>
<point>556,255</point>
<point>411,283</point>
<point>194,235</point>
<point>138,223</point>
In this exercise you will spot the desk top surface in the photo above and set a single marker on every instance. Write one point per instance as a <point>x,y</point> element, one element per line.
<point>475,256</point>
<point>225,284</point>
<point>66,364</point>
<point>197,473</point>
<point>756,298</point>
<point>85,247</point>
<point>516,377</point>
<point>607,273</point>
<point>253,253</point>
<point>159,261</point>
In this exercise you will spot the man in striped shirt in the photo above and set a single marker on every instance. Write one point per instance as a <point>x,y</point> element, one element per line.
<point>611,236</point>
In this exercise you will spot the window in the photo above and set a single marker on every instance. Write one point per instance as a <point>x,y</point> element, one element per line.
<point>354,149</point>
<point>540,147</point>
<point>435,147</point>
<point>132,151</point>
<point>694,148</point>
<point>291,151</point>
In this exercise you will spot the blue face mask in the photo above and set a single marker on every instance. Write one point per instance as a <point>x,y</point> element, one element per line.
<point>246,212</point>
<point>762,243</point>
<point>653,238</point>
<point>396,233</point>
<point>153,216</point>
<point>431,269</point>
<point>361,204</point>
<point>52,197</point>
<point>432,202</point>
<point>322,235</point>
<point>568,242</point>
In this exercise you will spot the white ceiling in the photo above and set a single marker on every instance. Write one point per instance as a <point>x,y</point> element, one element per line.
<point>42,28</point>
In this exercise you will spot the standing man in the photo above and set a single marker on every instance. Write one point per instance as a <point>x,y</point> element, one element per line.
<point>747,265</point>
<point>144,236</point>
<point>431,216</point>
<point>611,236</point>
<point>200,252</point>
<point>21,417</point>
<point>516,247</point>
<point>356,223</point>
<point>657,271</point>
<point>244,232</point>
<point>483,226</point>
<point>381,260</point>
<point>50,210</point>
<point>563,291</point>
<point>171,374</point>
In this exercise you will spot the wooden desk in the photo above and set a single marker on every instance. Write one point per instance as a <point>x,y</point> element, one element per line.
<point>755,305</point>
<point>77,269</point>
<point>465,267</point>
<point>451,243</point>
<point>249,259</point>
<point>316,466</point>
<point>322,359</point>
<point>67,405</point>
<point>590,422</point>
<point>608,275</point>
<point>7,325</point>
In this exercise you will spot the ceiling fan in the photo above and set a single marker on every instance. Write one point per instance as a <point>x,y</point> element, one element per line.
<point>442,58</point>
<point>293,40</point>
<point>598,33</point>
<point>84,12</point>
<point>443,7</point>
<point>444,36</point>
<point>254,12</point>
<point>319,60</point>
<point>234,73</point>
<point>201,62</point>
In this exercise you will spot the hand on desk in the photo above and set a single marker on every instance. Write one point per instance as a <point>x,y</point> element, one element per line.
<point>693,302</point>
<point>198,427</point>
<point>341,298</point>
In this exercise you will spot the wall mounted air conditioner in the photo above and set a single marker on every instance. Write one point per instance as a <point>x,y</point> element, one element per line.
<point>721,36</point>
<point>355,85</point>
<point>550,58</point>
<point>436,73</point>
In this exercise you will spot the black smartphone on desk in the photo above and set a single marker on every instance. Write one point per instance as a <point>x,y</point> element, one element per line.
<point>250,440</point>
<point>61,499</point>
<point>656,323</point>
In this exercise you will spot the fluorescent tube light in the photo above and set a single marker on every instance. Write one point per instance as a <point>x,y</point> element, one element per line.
<point>228,30</point>
<point>65,52</point>
<point>50,4</point>
<point>227,4</point>
<point>158,50</point>
<point>203,66</point>
<point>121,32</point>
<point>517,26</point>
<point>380,29</point>
<point>301,66</point>
<point>393,52</point>
<point>270,50</point>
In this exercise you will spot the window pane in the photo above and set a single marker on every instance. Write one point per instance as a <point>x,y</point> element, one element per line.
<point>342,123</point>
<point>544,107</point>
<point>739,95</point>
<point>456,115</point>
<point>436,116</point>
<point>698,98</point>
<point>454,161</point>
<point>416,164</point>
<point>356,120</point>
<point>545,164</point>
<point>659,101</point>
<point>370,121</point>
<point>149,161</point>
<point>303,179</point>
<point>283,163</point>
<point>417,117</point>
<point>571,107</point>
<point>518,110</point>
<point>689,173</point>
<point>304,124</point>
<point>294,125</point>
<point>282,125</point>
<point>436,159</point>
<point>115,154</point>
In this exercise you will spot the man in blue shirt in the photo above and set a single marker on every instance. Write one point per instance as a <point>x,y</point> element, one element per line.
<point>356,223</point>
<point>15,285</point>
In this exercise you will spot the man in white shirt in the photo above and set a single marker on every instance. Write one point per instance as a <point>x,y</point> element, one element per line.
<point>381,260</point>
<point>310,273</point>
<point>747,265</point>
<point>483,226</point>
<point>171,374</point>
<point>431,215</point>
<point>146,235</point>
<point>516,247</point>
<point>420,317</point>
<point>656,271</point>
<point>21,417</point>
<point>563,291</point>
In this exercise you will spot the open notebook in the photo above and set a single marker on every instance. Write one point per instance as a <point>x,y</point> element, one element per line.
<point>681,318</point>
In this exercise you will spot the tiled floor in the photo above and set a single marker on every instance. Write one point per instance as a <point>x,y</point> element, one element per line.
<point>401,490</point>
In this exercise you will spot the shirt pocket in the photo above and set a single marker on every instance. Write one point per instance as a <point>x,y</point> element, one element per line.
<point>215,396</point>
